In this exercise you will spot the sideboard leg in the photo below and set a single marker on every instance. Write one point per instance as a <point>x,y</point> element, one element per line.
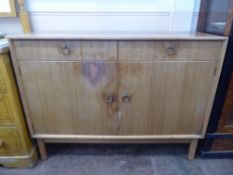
<point>192,149</point>
<point>42,149</point>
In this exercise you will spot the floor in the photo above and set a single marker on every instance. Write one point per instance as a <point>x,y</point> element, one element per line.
<point>169,159</point>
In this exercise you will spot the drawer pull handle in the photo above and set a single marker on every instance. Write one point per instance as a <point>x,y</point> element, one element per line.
<point>65,49</point>
<point>109,98</point>
<point>126,98</point>
<point>170,50</point>
<point>1,143</point>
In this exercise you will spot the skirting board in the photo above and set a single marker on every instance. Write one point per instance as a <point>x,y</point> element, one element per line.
<point>21,161</point>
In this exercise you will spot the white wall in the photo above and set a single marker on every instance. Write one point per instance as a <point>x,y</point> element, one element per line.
<point>111,15</point>
<point>195,14</point>
<point>9,25</point>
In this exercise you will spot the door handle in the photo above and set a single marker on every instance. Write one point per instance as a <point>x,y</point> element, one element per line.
<point>126,98</point>
<point>65,49</point>
<point>109,98</point>
<point>170,50</point>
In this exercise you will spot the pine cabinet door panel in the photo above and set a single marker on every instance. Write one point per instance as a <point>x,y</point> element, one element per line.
<point>71,97</point>
<point>164,98</point>
<point>6,111</point>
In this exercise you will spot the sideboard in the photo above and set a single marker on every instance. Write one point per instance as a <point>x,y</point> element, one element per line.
<point>118,87</point>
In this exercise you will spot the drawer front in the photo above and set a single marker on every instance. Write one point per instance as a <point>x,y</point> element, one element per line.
<point>170,50</point>
<point>65,50</point>
<point>9,141</point>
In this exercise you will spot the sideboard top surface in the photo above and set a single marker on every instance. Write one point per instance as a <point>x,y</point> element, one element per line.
<point>120,36</point>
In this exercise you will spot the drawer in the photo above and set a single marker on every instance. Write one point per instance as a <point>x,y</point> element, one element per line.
<point>65,50</point>
<point>9,141</point>
<point>170,50</point>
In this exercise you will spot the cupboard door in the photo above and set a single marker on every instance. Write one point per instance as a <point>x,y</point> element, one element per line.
<point>71,97</point>
<point>163,98</point>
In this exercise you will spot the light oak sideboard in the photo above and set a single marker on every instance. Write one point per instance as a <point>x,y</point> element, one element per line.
<point>118,87</point>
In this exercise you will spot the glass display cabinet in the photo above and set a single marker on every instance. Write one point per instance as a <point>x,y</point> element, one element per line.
<point>216,17</point>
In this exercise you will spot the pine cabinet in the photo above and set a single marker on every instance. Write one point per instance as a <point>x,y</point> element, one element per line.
<point>16,148</point>
<point>118,88</point>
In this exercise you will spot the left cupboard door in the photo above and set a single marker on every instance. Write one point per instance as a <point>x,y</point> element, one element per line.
<point>71,97</point>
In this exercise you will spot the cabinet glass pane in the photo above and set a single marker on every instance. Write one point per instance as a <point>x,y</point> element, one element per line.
<point>217,16</point>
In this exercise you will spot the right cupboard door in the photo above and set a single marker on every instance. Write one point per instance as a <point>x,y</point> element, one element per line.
<point>164,97</point>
